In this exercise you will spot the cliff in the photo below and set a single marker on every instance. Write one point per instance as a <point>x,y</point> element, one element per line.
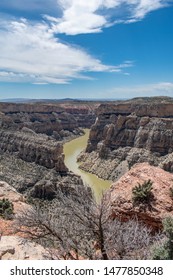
<point>139,130</point>
<point>152,213</point>
<point>135,124</point>
<point>59,120</point>
<point>33,147</point>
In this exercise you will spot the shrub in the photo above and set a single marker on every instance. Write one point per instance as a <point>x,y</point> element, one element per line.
<point>6,208</point>
<point>72,227</point>
<point>142,192</point>
<point>165,250</point>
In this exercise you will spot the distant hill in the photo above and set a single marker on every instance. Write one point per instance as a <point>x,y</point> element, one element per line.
<point>63,100</point>
<point>16,100</point>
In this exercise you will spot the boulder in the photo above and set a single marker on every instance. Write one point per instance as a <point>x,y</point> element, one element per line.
<point>17,248</point>
<point>151,213</point>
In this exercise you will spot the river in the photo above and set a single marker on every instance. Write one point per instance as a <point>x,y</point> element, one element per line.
<point>71,150</point>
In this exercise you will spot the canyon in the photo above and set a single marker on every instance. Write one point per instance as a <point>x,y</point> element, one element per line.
<point>32,137</point>
<point>129,143</point>
<point>129,132</point>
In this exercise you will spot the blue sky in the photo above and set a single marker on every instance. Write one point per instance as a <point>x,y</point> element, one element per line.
<point>86,49</point>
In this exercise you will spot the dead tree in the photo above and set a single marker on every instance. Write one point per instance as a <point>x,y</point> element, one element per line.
<point>77,227</point>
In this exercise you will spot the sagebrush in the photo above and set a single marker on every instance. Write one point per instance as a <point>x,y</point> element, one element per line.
<point>142,192</point>
<point>6,208</point>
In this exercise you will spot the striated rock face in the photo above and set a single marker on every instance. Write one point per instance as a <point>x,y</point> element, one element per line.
<point>134,131</point>
<point>152,213</point>
<point>32,179</point>
<point>33,163</point>
<point>33,147</point>
<point>58,120</point>
<point>145,125</point>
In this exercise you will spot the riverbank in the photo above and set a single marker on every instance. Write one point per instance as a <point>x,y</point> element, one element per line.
<point>71,150</point>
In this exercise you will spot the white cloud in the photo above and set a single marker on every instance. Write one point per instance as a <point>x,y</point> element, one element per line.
<point>146,6</point>
<point>80,17</point>
<point>158,89</point>
<point>31,53</point>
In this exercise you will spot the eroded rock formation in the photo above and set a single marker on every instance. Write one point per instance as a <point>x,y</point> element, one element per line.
<point>31,145</point>
<point>139,130</point>
<point>58,120</point>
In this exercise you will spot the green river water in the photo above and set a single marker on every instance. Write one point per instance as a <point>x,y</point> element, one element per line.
<point>71,150</point>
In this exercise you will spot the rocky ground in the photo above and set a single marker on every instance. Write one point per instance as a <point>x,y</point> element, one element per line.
<point>13,246</point>
<point>152,213</point>
<point>17,245</point>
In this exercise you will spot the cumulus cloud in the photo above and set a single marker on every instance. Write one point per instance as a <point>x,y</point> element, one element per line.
<point>31,53</point>
<point>157,89</point>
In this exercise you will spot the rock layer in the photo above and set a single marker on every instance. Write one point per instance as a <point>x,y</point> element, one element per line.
<point>58,120</point>
<point>134,131</point>
<point>33,147</point>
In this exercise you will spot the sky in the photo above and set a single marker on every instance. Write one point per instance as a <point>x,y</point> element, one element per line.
<point>113,49</point>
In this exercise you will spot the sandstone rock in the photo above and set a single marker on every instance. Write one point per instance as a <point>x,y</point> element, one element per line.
<point>23,176</point>
<point>44,189</point>
<point>33,148</point>
<point>6,191</point>
<point>161,206</point>
<point>19,203</point>
<point>138,130</point>
<point>17,248</point>
<point>47,118</point>
<point>6,249</point>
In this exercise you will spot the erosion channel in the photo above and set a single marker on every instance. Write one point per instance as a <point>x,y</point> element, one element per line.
<point>71,151</point>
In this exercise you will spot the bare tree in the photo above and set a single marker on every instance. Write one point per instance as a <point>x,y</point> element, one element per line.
<point>78,227</point>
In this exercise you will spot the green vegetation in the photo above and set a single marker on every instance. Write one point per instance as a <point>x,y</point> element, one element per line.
<point>165,250</point>
<point>143,192</point>
<point>6,209</point>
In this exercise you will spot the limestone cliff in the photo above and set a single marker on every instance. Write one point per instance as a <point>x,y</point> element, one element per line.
<point>128,132</point>
<point>33,147</point>
<point>58,120</point>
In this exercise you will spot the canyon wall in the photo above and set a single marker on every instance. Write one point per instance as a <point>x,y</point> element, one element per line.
<point>31,145</point>
<point>128,132</point>
<point>58,120</point>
